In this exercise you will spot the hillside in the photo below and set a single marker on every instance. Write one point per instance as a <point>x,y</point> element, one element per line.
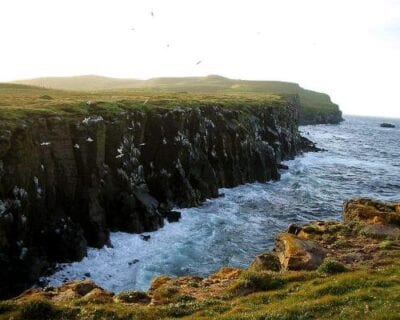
<point>316,107</point>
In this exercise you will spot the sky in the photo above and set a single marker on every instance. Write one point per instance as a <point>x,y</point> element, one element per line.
<point>349,49</point>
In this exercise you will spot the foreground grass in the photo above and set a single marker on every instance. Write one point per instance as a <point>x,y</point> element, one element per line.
<point>359,294</point>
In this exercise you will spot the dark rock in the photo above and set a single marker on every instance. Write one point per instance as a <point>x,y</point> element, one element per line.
<point>387,125</point>
<point>87,274</point>
<point>134,261</point>
<point>145,237</point>
<point>283,166</point>
<point>294,229</point>
<point>172,216</point>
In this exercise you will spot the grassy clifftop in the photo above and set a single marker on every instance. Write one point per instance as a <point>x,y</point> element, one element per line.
<point>18,100</point>
<point>316,106</point>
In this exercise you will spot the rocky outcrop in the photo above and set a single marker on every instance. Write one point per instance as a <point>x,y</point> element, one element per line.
<point>266,261</point>
<point>66,182</point>
<point>298,254</point>
<point>369,211</point>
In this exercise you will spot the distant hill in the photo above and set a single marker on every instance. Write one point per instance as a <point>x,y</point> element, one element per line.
<point>316,107</point>
<point>81,83</point>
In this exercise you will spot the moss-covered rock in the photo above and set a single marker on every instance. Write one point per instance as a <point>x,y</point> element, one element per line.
<point>265,262</point>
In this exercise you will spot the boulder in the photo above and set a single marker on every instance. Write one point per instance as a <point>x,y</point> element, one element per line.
<point>157,282</point>
<point>371,212</point>
<point>298,254</point>
<point>265,262</point>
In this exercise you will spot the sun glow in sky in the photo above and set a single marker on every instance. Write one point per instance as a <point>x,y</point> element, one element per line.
<point>349,49</point>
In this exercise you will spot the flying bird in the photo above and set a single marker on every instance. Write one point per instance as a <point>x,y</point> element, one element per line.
<point>152,14</point>
<point>198,62</point>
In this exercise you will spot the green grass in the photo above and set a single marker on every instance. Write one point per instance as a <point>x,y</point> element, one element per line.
<point>21,101</point>
<point>312,102</point>
<point>330,266</point>
<point>361,294</point>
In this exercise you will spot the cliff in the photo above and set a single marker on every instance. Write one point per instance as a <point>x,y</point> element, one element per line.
<point>345,269</point>
<point>315,107</point>
<point>67,179</point>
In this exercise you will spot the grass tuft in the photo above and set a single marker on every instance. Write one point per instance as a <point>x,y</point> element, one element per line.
<point>330,266</point>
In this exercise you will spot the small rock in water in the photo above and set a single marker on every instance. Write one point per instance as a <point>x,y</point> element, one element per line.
<point>133,262</point>
<point>283,166</point>
<point>387,125</point>
<point>145,237</point>
<point>87,274</point>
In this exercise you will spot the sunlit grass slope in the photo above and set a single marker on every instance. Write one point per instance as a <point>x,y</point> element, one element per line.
<point>311,101</point>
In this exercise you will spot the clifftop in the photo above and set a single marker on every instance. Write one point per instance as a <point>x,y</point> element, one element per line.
<point>316,107</point>
<point>23,101</point>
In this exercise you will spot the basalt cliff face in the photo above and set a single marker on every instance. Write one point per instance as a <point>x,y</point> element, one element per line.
<point>325,117</point>
<point>66,182</point>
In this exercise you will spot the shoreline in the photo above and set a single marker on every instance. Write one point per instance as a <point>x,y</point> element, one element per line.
<point>364,245</point>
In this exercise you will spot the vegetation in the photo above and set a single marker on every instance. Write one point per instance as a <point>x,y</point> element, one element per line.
<point>312,102</point>
<point>356,294</point>
<point>38,310</point>
<point>18,101</point>
<point>133,296</point>
<point>331,266</point>
<point>252,281</point>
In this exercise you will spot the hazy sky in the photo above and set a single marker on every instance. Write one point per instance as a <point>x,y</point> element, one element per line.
<point>349,49</point>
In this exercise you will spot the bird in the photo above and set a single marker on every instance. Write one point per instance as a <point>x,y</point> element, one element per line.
<point>132,29</point>
<point>168,45</point>
<point>152,14</point>
<point>198,62</point>
<point>146,101</point>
